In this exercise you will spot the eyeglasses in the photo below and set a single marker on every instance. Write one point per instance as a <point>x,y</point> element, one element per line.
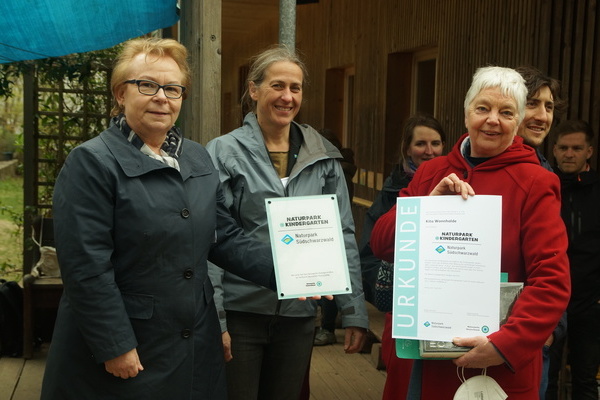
<point>150,88</point>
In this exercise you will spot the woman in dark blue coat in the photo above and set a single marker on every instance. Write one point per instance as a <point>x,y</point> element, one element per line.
<point>138,210</point>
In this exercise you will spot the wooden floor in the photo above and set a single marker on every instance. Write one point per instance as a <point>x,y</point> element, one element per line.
<point>338,376</point>
<point>21,379</point>
<point>334,375</point>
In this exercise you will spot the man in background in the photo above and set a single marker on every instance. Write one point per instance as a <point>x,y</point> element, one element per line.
<point>543,102</point>
<point>580,189</point>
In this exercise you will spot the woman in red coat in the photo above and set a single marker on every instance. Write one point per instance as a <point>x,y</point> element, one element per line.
<point>490,159</point>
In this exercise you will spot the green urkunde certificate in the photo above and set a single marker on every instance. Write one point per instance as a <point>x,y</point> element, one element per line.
<point>446,267</point>
<point>308,246</point>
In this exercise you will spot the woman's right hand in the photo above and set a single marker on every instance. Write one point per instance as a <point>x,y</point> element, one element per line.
<point>125,366</point>
<point>226,346</point>
<point>452,185</point>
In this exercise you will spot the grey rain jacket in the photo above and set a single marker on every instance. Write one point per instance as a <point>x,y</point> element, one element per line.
<point>248,178</point>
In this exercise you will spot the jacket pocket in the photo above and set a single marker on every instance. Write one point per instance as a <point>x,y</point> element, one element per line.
<point>138,306</point>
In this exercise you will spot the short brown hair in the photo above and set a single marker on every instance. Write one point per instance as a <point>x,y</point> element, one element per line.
<point>573,126</point>
<point>536,79</point>
<point>149,46</point>
<point>408,132</point>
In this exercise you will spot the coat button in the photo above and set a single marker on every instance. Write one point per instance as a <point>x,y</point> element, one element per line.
<point>185,213</point>
<point>188,274</point>
<point>186,333</point>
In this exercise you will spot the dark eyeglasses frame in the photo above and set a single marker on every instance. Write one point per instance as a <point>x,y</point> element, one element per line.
<point>139,81</point>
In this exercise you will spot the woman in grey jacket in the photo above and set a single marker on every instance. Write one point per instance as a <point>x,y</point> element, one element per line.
<point>269,341</point>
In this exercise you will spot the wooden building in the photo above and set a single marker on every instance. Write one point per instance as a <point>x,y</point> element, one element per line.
<point>372,63</point>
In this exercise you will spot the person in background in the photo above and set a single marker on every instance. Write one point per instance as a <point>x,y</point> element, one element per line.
<point>347,160</point>
<point>329,311</point>
<point>423,139</point>
<point>580,211</point>
<point>269,341</point>
<point>491,159</point>
<point>543,102</point>
<point>137,212</point>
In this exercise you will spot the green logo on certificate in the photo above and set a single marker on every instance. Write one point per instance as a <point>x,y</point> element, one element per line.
<point>287,239</point>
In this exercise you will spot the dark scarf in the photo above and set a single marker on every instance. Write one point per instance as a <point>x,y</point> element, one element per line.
<point>171,145</point>
<point>409,167</point>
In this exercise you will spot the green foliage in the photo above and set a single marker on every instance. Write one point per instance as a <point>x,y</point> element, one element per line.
<point>11,195</point>
<point>74,67</point>
<point>11,227</point>
<point>73,105</point>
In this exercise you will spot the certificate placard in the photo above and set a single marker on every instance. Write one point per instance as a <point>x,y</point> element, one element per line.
<point>308,246</point>
<point>446,267</point>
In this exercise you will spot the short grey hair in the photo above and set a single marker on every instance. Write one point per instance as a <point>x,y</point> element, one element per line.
<point>510,82</point>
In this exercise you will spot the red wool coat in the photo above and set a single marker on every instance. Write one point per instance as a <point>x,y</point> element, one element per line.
<point>534,245</point>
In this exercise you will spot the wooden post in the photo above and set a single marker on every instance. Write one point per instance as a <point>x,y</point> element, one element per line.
<point>29,168</point>
<point>201,34</point>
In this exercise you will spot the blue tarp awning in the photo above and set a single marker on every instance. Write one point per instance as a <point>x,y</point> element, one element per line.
<point>32,29</point>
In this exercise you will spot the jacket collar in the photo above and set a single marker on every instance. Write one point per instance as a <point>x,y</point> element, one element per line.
<point>135,163</point>
<point>584,178</point>
<point>516,152</point>
<point>313,146</point>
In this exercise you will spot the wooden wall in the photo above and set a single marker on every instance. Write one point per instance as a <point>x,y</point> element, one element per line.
<point>560,37</point>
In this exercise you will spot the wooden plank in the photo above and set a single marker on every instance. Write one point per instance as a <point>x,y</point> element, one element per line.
<point>319,387</point>
<point>10,372</point>
<point>576,58</point>
<point>30,383</point>
<point>587,72</point>
<point>354,376</point>
<point>594,117</point>
<point>376,321</point>
<point>334,375</point>
<point>201,34</point>
<point>377,356</point>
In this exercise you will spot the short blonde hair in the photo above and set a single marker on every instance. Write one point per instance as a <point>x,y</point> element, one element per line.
<point>149,46</point>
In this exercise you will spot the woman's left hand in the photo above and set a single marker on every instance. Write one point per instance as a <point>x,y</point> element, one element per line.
<point>482,355</point>
<point>452,185</point>
<point>125,366</point>
<point>354,339</point>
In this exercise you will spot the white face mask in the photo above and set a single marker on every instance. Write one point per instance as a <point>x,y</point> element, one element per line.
<point>480,387</point>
